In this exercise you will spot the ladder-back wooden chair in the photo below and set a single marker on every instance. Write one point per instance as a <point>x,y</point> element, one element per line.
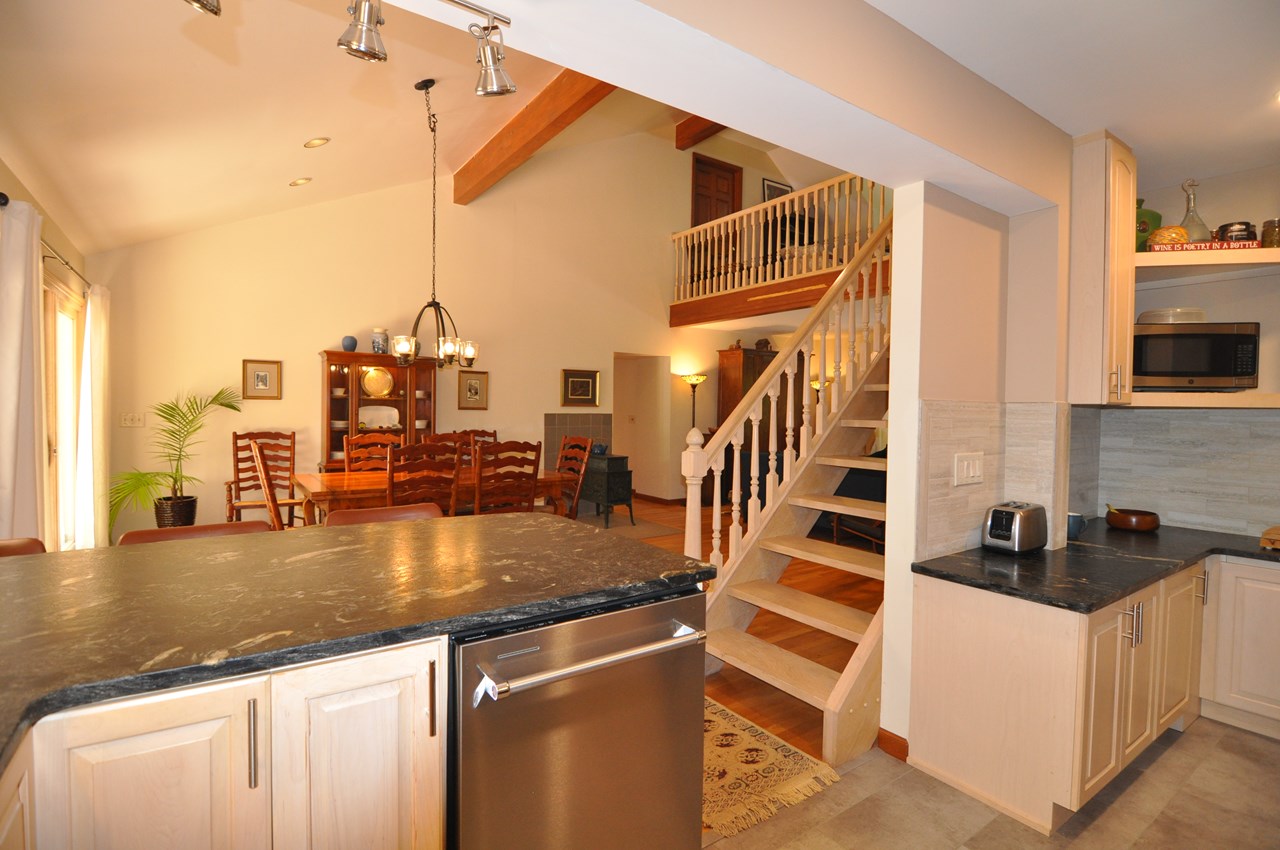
<point>267,484</point>
<point>506,476</point>
<point>191,532</point>
<point>368,452</point>
<point>394,513</point>
<point>424,472</point>
<point>21,546</point>
<point>572,461</point>
<point>244,492</point>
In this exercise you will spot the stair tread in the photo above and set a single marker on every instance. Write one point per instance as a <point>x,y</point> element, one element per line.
<point>791,673</point>
<point>854,461</point>
<point>831,617</point>
<point>839,505</point>
<point>845,558</point>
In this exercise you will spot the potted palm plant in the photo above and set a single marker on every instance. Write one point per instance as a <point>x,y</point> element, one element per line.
<point>181,419</point>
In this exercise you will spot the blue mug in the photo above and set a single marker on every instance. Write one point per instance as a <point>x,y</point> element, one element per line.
<point>1076,523</point>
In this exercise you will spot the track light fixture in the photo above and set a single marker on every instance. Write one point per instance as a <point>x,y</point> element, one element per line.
<point>211,7</point>
<point>494,79</point>
<point>362,39</point>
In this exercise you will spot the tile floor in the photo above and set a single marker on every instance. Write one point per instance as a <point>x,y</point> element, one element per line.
<point>1212,786</point>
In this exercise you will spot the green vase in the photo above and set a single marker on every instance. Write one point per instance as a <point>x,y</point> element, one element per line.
<point>1148,221</point>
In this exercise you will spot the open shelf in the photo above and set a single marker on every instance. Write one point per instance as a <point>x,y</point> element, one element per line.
<point>1245,399</point>
<point>1153,267</point>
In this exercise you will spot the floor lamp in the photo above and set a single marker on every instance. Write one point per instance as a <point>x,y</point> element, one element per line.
<point>693,381</point>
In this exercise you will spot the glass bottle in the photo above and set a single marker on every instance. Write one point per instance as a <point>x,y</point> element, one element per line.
<point>1197,230</point>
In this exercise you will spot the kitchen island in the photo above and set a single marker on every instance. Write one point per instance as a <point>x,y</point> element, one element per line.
<point>91,626</point>
<point>1037,678</point>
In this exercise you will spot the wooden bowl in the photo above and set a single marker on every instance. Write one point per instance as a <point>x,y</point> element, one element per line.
<point>1128,519</point>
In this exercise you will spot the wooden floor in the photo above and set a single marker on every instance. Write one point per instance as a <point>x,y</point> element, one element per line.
<point>794,721</point>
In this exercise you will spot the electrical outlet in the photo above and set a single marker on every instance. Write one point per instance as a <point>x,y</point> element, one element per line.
<point>132,420</point>
<point>968,468</point>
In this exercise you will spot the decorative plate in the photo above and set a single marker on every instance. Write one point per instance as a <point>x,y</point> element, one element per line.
<point>377,382</point>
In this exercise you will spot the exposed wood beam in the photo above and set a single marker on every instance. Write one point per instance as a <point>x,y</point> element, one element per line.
<point>563,101</point>
<point>693,129</point>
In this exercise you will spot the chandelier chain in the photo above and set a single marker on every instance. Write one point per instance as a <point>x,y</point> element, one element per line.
<point>432,120</point>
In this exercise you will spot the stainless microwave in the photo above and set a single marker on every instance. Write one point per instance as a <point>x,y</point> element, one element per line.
<point>1195,356</point>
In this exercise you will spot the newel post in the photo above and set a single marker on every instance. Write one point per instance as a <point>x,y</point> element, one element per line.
<point>693,466</point>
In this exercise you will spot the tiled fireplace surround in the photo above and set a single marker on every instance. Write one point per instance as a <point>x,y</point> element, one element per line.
<point>1197,468</point>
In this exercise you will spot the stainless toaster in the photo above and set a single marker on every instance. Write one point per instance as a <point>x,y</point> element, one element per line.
<point>1015,527</point>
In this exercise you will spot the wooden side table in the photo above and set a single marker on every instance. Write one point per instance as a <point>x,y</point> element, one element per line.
<point>608,483</point>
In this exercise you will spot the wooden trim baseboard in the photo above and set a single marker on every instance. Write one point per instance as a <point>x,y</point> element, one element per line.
<point>893,745</point>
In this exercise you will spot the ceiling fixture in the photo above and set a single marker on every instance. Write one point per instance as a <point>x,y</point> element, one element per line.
<point>449,349</point>
<point>301,181</point>
<point>494,79</point>
<point>317,142</point>
<point>362,39</point>
<point>211,7</point>
<point>693,381</point>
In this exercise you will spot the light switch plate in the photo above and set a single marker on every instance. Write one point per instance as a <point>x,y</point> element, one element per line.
<point>132,420</point>
<point>968,468</point>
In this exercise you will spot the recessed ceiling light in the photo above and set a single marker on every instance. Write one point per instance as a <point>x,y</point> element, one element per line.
<point>318,141</point>
<point>301,181</point>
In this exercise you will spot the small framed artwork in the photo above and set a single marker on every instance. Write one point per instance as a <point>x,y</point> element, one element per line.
<point>773,189</point>
<point>262,379</point>
<point>473,390</point>
<point>579,388</point>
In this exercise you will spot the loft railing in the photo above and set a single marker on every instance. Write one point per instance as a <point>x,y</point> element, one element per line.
<point>836,345</point>
<point>814,230</point>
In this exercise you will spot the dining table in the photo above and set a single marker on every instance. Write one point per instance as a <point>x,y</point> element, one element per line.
<point>322,492</point>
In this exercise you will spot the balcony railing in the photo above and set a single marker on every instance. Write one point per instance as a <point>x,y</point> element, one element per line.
<point>817,229</point>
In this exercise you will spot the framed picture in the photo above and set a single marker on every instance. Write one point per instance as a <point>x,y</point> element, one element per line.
<point>261,379</point>
<point>473,390</point>
<point>579,388</point>
<point>773,189</point>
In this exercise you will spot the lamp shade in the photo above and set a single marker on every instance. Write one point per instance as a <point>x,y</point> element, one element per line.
<point>362,39</point>
<point>494,79</point>
<point>212,7</point>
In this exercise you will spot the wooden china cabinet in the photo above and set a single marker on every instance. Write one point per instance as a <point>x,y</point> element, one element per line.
<point>362,392</point>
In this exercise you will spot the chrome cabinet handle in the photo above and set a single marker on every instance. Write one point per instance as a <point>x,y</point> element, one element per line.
<point>431,699</point>
<point>1142,621</point>
<point>496,687</point>
<point>1203,597</point>
<point>253,743</point>
<point>1132,634</point>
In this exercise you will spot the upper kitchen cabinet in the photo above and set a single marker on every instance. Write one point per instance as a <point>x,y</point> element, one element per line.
<point>1104,186</point>
<point>1106,272</point>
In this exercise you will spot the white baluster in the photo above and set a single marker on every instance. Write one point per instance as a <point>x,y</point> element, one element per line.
<point>771,477</point>
<point>879,324</point>
<point>735,497</point>
<point>753,503</point>
<point>855,368</point>
<point>717,467</point>
<point>807,408</point>
<point>837,364</point>
<point>789,451</point>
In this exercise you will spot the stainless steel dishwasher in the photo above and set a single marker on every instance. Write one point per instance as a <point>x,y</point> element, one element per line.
<point>582,732</point>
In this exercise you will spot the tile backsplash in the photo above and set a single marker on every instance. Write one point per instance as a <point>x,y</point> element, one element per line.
<point>1212,469</point>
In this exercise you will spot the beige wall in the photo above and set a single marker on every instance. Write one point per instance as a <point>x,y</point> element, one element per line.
<point>580,268</point>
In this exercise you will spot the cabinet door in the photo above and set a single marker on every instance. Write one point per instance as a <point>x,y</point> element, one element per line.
<point>357,748</point>
<point>1181,619</point>
<point>1140,671</point>
<point>1247,624</point>
<point>178,769</point>
<point>1122,202</point>
<point>17,832</point>
<point>1105,648</point>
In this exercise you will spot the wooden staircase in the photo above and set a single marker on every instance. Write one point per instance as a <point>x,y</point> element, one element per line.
<point>787,477</point>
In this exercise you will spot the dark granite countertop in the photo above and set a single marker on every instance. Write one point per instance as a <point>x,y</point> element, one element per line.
<point>84,626</point>
<point>1104,565</point>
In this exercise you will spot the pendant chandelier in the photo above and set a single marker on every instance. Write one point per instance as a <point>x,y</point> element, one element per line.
<point>449,347</point>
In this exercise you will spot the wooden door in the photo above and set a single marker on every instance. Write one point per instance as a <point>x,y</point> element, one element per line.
<point>358,751</point>
<point>1140,673</point>
<point>1181,621</point>
<point>175,769</point>
<point>1105,646</point>
<point>1247,624</point>
<point>717,189</point>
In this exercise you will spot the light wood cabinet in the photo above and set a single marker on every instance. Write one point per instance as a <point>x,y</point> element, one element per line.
<point>1241,684</point>
<point>358,751</point>
<point>342,753</point>
<point>1034,709</point>
<point>1104,186</point>
<point>17,827</point>
<point>1181,626</point>
<point>363,392</point>
<point>185,765</point>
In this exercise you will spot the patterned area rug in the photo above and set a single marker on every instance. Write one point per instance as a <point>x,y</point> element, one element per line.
<point>620,524</point>
<point>748,774</point>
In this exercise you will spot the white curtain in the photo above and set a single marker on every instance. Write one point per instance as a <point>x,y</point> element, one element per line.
<point>91,429</point>
<point>22,434</point>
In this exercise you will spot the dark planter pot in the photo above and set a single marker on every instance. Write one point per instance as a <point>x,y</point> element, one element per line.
<point>173,511</point>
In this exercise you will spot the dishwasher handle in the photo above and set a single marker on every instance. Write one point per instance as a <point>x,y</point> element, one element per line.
<point>498,688</point>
